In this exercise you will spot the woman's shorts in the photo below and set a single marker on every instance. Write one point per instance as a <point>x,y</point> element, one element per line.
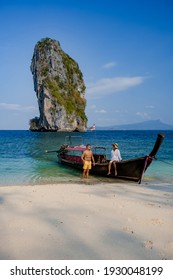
<point>87,165</point>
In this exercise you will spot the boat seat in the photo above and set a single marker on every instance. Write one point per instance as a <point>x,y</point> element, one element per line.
<point>99,158</point>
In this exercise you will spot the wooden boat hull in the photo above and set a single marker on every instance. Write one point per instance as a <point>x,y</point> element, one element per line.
<point>129,169</point>
<point>132,169</point>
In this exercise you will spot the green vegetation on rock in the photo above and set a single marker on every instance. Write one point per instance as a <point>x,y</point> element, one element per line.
<point>58,83</point>
<point>71,100</point>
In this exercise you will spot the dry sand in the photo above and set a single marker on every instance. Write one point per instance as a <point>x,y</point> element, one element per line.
<point>87,220</point>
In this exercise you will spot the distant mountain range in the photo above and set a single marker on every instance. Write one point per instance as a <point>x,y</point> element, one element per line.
<point>146,125</point>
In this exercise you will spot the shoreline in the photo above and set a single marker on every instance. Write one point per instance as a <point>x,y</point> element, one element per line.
<point>87,221</point>
<point>93,180</point>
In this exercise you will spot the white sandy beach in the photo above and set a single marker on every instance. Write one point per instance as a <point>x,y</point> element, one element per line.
<point>87,221</point>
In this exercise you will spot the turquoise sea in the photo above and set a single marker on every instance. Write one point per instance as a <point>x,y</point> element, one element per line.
<point>23,160</point>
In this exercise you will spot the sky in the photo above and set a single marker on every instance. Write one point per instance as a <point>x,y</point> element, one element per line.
<point>124,50</point>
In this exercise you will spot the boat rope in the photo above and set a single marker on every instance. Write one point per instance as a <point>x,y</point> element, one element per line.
<point>163,161</point>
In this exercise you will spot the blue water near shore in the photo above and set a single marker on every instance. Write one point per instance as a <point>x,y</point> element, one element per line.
<point>23,160</point>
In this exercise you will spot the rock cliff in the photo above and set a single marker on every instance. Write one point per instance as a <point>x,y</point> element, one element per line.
<point>60,89</point>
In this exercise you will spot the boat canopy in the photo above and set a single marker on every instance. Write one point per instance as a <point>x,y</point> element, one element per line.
<point>83,148</point>
<point>76,148</point>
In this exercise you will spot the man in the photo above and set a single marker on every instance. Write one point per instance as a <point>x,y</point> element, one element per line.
<point>115,157</point>
<point>87,157</point>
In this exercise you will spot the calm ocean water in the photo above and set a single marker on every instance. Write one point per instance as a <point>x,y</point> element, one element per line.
<point>23,159</point>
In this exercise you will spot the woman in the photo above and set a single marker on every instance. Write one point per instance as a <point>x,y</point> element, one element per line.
<point>115,157</point>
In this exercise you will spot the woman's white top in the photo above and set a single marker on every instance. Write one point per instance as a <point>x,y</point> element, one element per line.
<point>115,155</point>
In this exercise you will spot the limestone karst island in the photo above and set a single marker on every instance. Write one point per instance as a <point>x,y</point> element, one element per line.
<point>60,89</point>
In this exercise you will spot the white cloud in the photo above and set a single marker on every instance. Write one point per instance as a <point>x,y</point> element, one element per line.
<point>143,115</point>
<point>16,107</point>
<point>102,111</point>
<point>111,85</point>
<point>150,106</point>
<point>109,65</point>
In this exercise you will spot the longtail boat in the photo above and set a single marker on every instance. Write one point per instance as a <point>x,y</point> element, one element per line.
<point>131,169</point>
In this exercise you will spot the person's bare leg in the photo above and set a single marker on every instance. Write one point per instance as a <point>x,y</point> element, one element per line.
<point>84,173</point>
<point>87,173</point>
<point>115,168</point>
<point>109,168</point>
